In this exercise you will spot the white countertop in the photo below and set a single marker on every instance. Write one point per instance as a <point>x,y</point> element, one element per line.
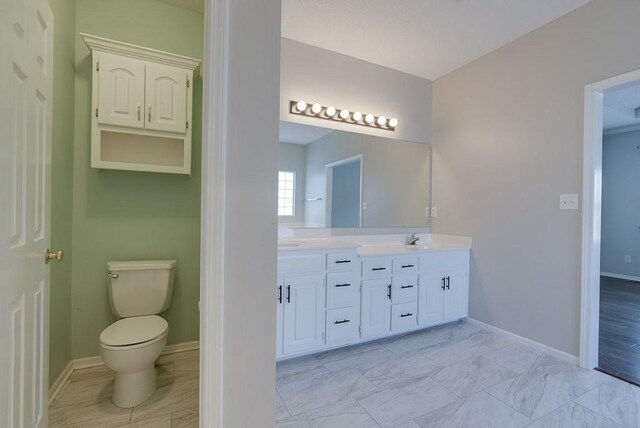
<point>379,245</point>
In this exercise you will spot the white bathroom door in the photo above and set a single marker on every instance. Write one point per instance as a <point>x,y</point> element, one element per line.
<point>26,56</point>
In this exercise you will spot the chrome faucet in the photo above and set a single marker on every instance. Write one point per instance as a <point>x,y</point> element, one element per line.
<point>411,239</point>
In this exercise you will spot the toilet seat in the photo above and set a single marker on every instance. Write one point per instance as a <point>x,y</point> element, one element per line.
<point>134,331</point>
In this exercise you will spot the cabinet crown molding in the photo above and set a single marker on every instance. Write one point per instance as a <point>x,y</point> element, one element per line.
<point>140,52</point>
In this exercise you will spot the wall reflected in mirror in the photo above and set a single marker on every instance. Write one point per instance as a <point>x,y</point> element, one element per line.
<point>336,179</point>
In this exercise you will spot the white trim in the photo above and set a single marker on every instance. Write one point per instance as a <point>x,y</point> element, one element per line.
<point>622,129</point>
<point>619,276</point>
<point>60,382</point>
<point>212,274</point>
<point>591,212</point>
<point>87,362</point>
<point>120,48</point>
<point>561,355</point>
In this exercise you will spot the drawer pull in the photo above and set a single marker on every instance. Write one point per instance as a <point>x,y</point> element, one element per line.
<point>342,261</point>
<point>407,266</point>
<point>406,315</point>
<point>343,285</point>
<point>407,286</point>
<point>380,268</point>
<point>342,322</point>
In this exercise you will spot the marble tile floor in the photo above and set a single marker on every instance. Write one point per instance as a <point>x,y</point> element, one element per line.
<point>85,400</point>
<point>457,375</point>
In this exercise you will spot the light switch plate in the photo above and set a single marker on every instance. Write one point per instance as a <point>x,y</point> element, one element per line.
<point>569,201</point>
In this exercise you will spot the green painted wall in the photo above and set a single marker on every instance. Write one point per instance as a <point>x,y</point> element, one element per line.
<point>120,215</point>
<point>64,13</point>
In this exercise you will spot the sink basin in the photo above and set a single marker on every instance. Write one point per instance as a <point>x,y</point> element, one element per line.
<point>289,244</point>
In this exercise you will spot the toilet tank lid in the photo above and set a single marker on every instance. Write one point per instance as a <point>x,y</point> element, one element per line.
<point>141,265</point>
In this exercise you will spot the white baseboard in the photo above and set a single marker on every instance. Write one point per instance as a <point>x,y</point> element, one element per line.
<point>616,275</point>
<point>561,355</point>
<point>60,382</point>
<point>96,361</point>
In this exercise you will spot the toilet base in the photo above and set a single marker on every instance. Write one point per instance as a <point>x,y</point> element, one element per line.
<point>131,389</point>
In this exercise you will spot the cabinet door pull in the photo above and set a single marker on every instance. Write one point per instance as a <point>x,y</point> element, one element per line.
<point>406,315</point>
<point>389,291</point>
<point>288,294</point>
<point>444,283</point>
<point>149,114</point>
<point>343,285</point>
<point>407,266</point>
<point>342,322</point>
<point>280,294</point>
<point>379,268</point>
<point>343,261</point>
<point>448,282</point>
<point>139,107</point>
<point>407,286</point>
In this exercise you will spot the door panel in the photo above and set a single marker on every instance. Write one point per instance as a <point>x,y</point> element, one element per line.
<point>166,98</point>
<point>26,83</point>
<point>430,298</point>
<point>455,298</point>
<point>303,313</point>
<point>120,91</point>
<point>376,308</point>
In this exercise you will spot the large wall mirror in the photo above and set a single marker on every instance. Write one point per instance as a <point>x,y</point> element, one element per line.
<point>337,179</point>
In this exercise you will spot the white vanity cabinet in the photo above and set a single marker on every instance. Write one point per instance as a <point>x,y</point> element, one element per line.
<point>303,310</point>
<point>443,293</point>
<point>141,107</point>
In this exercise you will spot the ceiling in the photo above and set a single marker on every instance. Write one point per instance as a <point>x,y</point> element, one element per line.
<point>301,134</point>
<point>426,38</point>
<point>620,106</point>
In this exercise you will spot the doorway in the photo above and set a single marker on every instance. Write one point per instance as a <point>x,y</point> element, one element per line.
<point>610,300</point>
<point>344,193</point>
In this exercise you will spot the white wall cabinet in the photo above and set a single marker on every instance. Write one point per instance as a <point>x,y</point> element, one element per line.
<point>141,107</point>
<point>328,299</point>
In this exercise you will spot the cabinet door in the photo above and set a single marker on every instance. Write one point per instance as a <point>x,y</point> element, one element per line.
<point>376,307</point>
<point>120,91</point>
<point>279,316</point>
<point>455,296</point>
<point>166,98</point>
<point>430,298</point>
<point>303,313</point>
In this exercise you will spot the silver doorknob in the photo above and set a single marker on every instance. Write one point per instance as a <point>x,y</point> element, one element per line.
<point>49,255</point>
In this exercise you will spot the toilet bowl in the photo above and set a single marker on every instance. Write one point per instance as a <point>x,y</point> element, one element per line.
<point>138,291</point>
<point>130,347</point>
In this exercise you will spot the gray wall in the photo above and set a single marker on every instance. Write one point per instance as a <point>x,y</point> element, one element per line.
<point>345,195</point>
<point>293,157</point>
<point>251,159</point>
<point>508,139</point>
<point>329,78</point>
<point>395,178</point>
<point>621,204</point>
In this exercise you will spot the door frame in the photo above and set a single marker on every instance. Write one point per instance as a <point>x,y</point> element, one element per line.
<point>328,173</point>
<point>212,275</point>
<point>591,214</point>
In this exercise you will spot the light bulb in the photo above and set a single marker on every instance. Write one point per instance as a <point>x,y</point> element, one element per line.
<point>357,116</point>
<point>369,118</point>
<point>331,111</point>
<point>301,105</point>
<point>393,122</point>
<point>382,121</point>
<point>344,113</point>
<point>316,108</point>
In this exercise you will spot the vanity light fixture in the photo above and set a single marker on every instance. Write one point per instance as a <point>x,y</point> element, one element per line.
<point>342,115</point>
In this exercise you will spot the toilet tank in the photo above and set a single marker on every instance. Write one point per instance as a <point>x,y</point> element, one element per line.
<point>139,288</point>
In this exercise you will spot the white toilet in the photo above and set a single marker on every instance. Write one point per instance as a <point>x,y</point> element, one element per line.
<point>138,291</point>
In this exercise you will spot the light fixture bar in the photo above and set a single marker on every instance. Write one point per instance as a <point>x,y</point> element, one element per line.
<point>343,115</point>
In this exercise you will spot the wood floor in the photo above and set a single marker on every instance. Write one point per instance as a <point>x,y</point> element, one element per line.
<point>619,347</point>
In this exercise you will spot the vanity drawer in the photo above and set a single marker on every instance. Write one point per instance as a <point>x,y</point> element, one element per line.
<point>444,260</point>
<point>404,316</point>
<point>307,264</point>
<point>377,268</point>
<point>342,325</point>
<point>341,261</point>
<point>343,289</point>
<point>408,264</point>
<point>404,288</point>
